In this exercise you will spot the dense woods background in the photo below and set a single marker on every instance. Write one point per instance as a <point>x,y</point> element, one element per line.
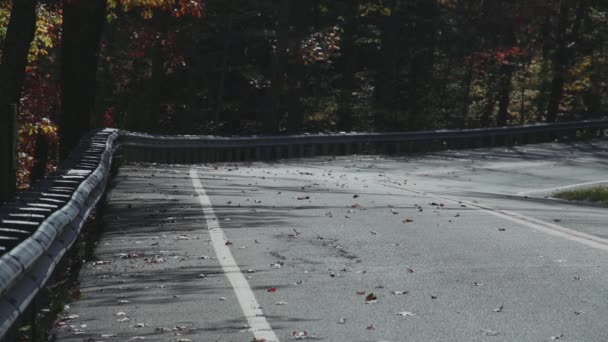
<point>281,66</point>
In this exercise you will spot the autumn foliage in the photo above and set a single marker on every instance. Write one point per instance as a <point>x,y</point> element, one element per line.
<point>261,66</point>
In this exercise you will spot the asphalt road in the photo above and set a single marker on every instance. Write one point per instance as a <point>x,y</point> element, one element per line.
<point>454,246</point>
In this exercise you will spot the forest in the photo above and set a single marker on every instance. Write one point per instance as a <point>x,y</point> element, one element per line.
<point>235,67</point>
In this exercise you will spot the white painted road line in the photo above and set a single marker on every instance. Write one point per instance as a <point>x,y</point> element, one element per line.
<point>251,308</point>
<point>565,187</point>
<point>545,227</point>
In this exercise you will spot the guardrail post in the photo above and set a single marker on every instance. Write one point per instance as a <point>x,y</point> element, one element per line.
<point>8,153</point>
<point>325,149</point>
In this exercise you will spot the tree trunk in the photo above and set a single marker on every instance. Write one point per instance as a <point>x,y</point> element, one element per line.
<point>348,53</point>
<point>505,96</point>
<point>278,64</point>
<point>19,35</point>
<point>225,57</point>
<point>295,68</point>
<point>389,69</point>
<point>466,96</point>
<point>83,22</point>
<point>41,157</point>
<point>420,84</point>
<point>562,56</point>
<point>154,86</point>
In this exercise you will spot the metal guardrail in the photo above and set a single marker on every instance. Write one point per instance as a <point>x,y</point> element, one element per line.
<point>197,149</point>
<point>42,224</point>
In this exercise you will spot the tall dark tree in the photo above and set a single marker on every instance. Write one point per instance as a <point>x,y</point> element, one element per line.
<point>389,66</point>
<point>299,13</point>
<point>420,95</point>
<point>566,38</point>
<point>83,22</point>
<point>348,62</point>
<point>19,35</point>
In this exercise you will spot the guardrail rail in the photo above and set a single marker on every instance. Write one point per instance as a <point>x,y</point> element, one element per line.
<point>41,224</point>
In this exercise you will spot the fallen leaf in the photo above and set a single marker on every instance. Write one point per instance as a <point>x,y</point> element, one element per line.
<point>138,325</point>
<point>410,270</point>
<point>407,220</point>
<point>342,320</point>
<point>272,290</point>
<point>499,308</point>
<point>125,319</point>
<point>277,264</point>
<point>558,337</point>
<point>405,313</point>
<point>101,262</point>
<point>488,332</point>
<point>371,327</point>
<point>223,298</point>
<point>300,335</point>
<point>360,293</point>
<point>280,303</point>
<point>501,229</point>
<point>228,243</point>
<point>371,299</point>
<point>478,284</point>
<point>400,293</point>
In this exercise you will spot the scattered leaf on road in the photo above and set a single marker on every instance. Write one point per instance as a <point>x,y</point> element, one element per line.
<point>400,293</point>
<point>101,262</point>
<point>300,335</point>
<point>405,313</point>
<point>488,332</point>
<point>371,299</point>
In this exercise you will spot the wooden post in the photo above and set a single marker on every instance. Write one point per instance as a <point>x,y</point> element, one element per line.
<point>8,153</point>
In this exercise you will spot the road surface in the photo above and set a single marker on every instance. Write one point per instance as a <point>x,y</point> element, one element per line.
<point>454,246</point>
